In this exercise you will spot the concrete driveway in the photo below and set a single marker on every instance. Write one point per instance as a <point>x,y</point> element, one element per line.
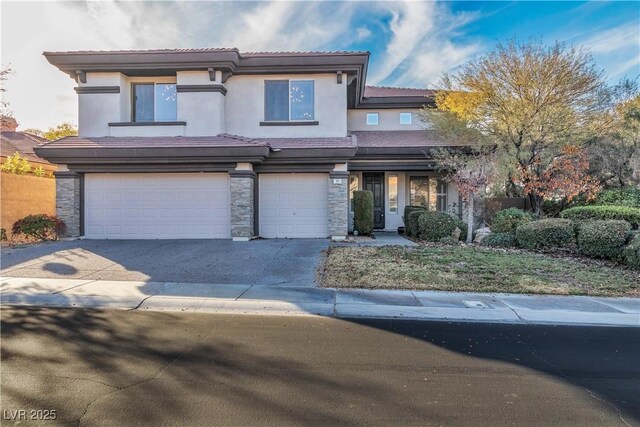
<point>260,262</point>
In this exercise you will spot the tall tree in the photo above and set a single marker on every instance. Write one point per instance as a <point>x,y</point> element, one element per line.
<point>60,131</point>
<point>533,101</point>
<point>5,72</point>
<point>616,155</point>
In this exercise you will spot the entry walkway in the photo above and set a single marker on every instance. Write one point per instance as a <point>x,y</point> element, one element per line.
<point>273,300</point>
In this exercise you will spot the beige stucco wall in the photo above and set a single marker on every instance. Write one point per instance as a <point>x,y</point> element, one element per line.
<point>210,113</point>
<point>387,119</point>
<point>22,195</point>
<point>245,107</point>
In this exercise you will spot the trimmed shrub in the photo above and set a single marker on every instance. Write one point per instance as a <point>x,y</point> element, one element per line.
<point>631,252</point>
<point>411,224</point>
<point>603,238</point>
<point>589,213</point>
<point>625,196</point>
<point>449,240</point>
<point>507,220</point>
<point>433,226</point>
<point>546,233</point>
<point>463,228</point>
<point>500,240</point>
<point>40,226</point>
<point>363,212</point>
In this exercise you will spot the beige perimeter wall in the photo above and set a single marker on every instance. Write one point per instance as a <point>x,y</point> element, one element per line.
<point>24,195</point>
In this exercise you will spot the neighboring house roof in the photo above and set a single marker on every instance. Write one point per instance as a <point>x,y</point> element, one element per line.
<point>22,143</point>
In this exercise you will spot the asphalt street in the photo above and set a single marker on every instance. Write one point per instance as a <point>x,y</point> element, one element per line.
<point>119,368</point>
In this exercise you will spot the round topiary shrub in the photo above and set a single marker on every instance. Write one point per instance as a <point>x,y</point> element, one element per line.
<point>500,240</point>
<point>546,233</point>
<point>363,212</point>
<point>411,222</point>
<point>603,238</point>
<point>449,240</point>
<point>508,220</point>
<point>591,213</point>
<point>631,252</point>
<point>40,226</point>
<point>433,226</point>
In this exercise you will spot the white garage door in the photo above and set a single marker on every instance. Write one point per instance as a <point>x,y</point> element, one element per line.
<point>157,206</point>
<point>294,205</point>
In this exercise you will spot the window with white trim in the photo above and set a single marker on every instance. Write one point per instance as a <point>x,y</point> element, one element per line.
<point>405,118</point>
<point>372,119</point>
<point>154,102</point>
<point>429,192</point>
<point>289,100</point>
<point>393,193</point>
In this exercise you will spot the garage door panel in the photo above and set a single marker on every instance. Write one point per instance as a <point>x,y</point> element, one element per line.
<point>157,206</point>
<point>294,205</point>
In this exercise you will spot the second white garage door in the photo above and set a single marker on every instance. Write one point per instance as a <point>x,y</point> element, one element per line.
<point>157,206</point>
<point>294,205</point>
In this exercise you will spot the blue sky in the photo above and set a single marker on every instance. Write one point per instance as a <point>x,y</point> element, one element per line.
<point>411,42</point>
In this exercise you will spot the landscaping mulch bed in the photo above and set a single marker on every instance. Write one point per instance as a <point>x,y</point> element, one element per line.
<point>476,269</point>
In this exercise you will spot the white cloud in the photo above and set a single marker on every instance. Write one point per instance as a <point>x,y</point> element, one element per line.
<point>421,46</point>
<point>363,33</point>
<point>617,48</point>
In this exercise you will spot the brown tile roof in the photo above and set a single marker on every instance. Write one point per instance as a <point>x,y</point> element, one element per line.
<point>391,92</point>
<point>213,49</point>
<point>306,53</point>
<point>23,143</point>
<point>222,140</point>
<point>404,138</point>
<point>284,143</point>
<point>136,51</point>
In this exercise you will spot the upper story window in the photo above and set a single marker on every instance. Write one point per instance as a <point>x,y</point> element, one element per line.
<point>405,118</point>
<point>154,102</point>
<point>372,118</point>
<point>288,100</point>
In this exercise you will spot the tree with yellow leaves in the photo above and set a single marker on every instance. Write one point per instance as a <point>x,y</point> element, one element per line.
<point>532,102</point>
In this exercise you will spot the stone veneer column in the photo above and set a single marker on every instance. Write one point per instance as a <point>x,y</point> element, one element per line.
<point>242,184</point>
<point>338,205</point>
<point>68,199</point>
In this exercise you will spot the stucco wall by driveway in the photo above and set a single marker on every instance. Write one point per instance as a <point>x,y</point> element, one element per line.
<point>276,262</point>
<point>24,195</point>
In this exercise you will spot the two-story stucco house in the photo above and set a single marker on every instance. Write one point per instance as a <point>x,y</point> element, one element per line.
<point>216,143</point>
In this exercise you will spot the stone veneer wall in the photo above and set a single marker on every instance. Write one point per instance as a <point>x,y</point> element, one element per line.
<point>338,205</point>
<point>68,201</point>
<point>242,209</point>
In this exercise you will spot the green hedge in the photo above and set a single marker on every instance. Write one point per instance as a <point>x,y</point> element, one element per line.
<point>363,212</point>
<point>500,240</point>
<point>588,213</point>
<point>508,220</point>
<point>411,223</point>
<point>603,238</point>
<point>625,196</point>
<point>631,253</point>
<point>546,233</point>
<point>433,226</point>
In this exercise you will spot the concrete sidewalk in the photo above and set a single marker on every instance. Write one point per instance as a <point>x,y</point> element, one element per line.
<point>257,299</point>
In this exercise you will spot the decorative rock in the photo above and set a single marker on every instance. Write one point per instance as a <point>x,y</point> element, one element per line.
<point>481,233</point>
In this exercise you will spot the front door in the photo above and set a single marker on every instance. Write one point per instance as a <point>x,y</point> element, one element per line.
<point>374,182</point>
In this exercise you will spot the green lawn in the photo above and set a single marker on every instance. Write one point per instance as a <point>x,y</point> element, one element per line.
<point>472,269</point>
